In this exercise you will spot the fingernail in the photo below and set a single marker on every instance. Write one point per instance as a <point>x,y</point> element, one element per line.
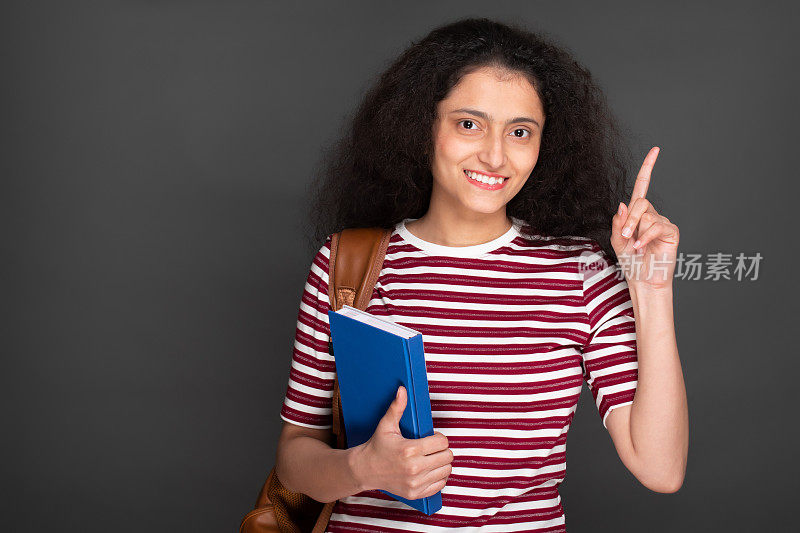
<point>637,244</point>
<point>626,232</point>
<point>619,209</point>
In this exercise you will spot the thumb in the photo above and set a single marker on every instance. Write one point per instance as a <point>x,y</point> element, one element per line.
<point>619,219</point>
<point>398,405</point>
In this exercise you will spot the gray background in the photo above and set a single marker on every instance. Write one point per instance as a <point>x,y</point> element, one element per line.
<point>155,157</point>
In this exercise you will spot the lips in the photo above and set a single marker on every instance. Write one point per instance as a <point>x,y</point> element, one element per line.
<point>488,186</point>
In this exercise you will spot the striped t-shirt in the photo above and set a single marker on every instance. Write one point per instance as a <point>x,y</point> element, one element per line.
<point>511,329</point>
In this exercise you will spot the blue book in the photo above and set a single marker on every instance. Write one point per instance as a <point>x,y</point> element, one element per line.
<point>374,357</point>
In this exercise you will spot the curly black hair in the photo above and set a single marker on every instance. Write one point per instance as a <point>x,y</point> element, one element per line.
<point>379,172</point>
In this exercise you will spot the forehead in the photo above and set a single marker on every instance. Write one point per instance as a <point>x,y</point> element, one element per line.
<point>501,93</point>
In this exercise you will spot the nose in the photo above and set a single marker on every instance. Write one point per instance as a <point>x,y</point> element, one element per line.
<point>492,151</point>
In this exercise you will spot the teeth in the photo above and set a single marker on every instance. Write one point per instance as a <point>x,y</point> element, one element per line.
<point>484,179</point>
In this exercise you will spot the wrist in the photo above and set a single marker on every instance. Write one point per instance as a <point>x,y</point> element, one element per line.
<point>358,462</point>
<point>647,290</point>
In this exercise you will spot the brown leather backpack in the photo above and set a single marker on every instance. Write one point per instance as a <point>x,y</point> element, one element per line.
<point>355,261</point>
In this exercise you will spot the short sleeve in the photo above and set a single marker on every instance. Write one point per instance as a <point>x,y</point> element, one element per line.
<point>609,353</point>
<point>309,393</point>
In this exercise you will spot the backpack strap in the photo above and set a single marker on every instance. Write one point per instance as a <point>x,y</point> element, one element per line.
<point>355,262</point>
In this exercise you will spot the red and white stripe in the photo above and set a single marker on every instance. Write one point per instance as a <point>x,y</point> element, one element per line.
<point>511,331</point>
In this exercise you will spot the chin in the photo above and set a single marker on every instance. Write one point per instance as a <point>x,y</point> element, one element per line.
<point>485,208</point>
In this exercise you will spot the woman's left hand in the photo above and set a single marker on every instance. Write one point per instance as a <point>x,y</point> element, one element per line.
<point>645,242</point>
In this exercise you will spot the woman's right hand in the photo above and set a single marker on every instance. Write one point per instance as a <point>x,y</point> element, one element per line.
<point>410,468</point>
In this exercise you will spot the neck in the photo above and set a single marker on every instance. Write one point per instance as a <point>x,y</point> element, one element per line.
<point>453,229</point>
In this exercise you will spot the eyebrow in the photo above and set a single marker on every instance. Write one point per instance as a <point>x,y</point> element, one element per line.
<point>485,116</point>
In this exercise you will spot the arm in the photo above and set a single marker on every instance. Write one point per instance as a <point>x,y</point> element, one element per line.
<point>411,468</point>
<point>306,463</point>
<point>305,460</point>
<point>652,434</point>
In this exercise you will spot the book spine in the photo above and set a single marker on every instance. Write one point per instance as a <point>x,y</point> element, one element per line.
<point>422,403</point>
<point>411,405</point>
<point>422,406</point>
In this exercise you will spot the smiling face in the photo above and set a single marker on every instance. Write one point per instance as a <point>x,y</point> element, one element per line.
<point>488,127</point>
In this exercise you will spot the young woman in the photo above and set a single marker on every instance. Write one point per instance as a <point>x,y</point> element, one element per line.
<point>493,156</point>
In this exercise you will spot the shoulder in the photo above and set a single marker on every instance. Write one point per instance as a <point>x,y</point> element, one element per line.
<point>318,271</point>
<point>324,250</point>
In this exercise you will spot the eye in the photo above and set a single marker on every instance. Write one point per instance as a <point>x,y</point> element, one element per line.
<point>468,124</point>
<point>521,133</point>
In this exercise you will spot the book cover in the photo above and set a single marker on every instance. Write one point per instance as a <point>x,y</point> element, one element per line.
<point>373,358</point>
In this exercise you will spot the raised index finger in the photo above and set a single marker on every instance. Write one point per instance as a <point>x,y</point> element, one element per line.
<point>643,179</point>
